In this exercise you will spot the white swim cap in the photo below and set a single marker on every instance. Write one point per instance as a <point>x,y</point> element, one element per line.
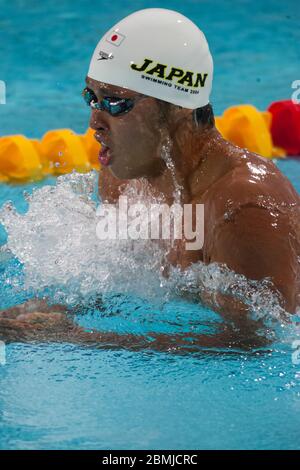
<point>159,53</point>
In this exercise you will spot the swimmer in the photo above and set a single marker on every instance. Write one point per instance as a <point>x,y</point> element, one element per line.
<point>149,83</point>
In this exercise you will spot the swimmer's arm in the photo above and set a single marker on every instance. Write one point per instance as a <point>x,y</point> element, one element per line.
<point>256,245</point>
<point>31,327</point>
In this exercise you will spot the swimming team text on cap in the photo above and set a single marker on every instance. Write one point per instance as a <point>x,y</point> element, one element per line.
<point>186,78</point>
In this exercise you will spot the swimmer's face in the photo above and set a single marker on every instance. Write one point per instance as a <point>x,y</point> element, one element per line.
<point>133,137</point>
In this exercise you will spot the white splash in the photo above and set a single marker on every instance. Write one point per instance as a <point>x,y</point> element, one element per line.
<point>56,242</point>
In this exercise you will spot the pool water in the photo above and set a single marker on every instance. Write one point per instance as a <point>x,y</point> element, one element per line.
<point>64,396</point>
<point>46,48</point>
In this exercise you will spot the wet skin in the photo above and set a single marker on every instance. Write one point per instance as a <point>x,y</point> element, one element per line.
<point>252,218</point>
<point>252,212</point>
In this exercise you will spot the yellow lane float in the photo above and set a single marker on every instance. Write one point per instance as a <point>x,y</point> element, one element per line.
<point>19,158</point>
<point>92,147</point>
<point>60,151</point>
<point>63,151</point>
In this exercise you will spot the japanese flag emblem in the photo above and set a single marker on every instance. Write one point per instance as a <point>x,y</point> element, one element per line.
<point>115,38</point>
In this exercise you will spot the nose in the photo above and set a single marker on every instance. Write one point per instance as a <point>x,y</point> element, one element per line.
<point>97,121</point>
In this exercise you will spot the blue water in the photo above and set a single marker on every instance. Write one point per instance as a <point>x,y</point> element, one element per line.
<point>58,396</point>
<point>45,49</point>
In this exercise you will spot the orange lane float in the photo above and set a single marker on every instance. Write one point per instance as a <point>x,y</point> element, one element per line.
<point>285,128</point>
<point>273,133</point>
<point>249,128</point>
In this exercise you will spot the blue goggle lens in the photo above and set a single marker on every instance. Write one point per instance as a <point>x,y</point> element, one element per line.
<point>113,105</point>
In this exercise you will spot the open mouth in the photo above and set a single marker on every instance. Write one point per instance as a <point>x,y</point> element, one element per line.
<point>104,155</point>
<point>105,152</point>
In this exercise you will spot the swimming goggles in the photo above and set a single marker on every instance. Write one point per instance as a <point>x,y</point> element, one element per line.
<point>112,104</point>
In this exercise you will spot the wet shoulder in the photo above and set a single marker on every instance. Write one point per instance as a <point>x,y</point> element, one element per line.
<point>253,180</point>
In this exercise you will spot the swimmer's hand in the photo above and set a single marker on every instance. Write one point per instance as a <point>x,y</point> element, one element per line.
<point>33,305</point>
<point>54,324</point>
<point>36,321</point>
